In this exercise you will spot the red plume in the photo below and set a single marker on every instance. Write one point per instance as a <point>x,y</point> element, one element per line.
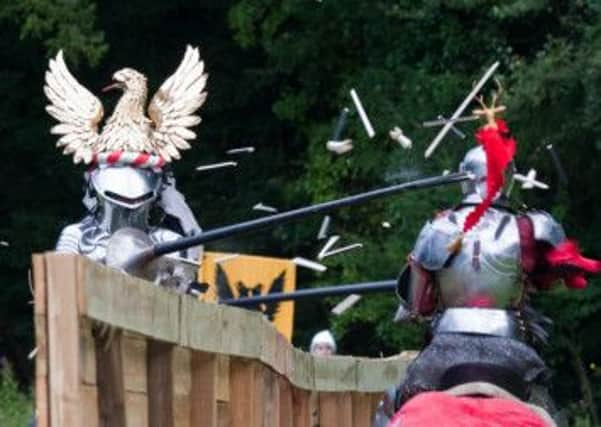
<point>499,147</point>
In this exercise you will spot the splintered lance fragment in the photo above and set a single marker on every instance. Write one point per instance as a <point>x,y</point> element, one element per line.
<point>331,242</point>
<point>340,147</point>
<point>563,177</point>
<point>460,109</point>
<point>312,265</point>
<point>241,150</point>
<point>453,128</point>
<point>441,121</point>
<point>226,258</point>
<point>185,260</point>
<point>364,119</point>
<point>345,304</point>
<point>216,166</point>
<point>343,249</point>
<point>323,229</point>
<point>529,181</point>
<point>265,208</point>
<point>397,135</point>
<point>33,353</point>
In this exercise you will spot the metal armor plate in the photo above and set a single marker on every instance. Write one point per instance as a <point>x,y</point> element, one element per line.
<point>546,229</point>
<point>88,239</point>
<point>486,270</point>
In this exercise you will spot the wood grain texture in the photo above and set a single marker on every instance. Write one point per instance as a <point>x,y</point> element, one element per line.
<point>109,377</point>
<point>63,340</point>
<point>246,403</point>
<point>160,384</point>
<point>335,409</point>
<point>41,340</point>
<point>203,394</point>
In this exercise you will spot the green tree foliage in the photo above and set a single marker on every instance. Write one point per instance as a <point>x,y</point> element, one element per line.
<point>280,72</point>
<point>16,408</point>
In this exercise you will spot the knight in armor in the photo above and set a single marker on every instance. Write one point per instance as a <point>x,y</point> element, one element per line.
<point>470,273</point>
<point>129,181</point>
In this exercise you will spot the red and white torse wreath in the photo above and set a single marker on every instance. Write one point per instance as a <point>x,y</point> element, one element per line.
<point>129,158</point>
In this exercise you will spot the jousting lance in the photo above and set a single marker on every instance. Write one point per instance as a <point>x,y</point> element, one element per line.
<point>159,249</point>
<point>321,292</point>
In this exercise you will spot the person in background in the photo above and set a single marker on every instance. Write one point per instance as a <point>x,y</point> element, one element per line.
<point>323,344</point>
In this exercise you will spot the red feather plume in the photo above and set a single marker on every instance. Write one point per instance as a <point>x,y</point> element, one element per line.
<point>499,147</point>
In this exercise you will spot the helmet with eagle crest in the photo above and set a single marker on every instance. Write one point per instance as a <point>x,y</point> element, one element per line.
<point>128,156</point>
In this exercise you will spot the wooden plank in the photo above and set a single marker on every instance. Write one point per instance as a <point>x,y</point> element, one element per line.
<point>41,340</point>
<point>137,409</point>
<point>181,387</point>
<point>246,400</point>
<point>130,303</point>
<point>375,399</point>
<point>89,405</point>
<point>133,349</point>
<point>88,353</point>
<point>224,414</point>
<point>160,383</point>
<point>301,409</point>
<point>81,262</point>
<point>63,340</point>
<point>270,396</point>
<point>109,377</point>
<point>314,410</point>
<point>247,328</point>
<point>203,394</point>
<point>362,409</point>
<point>335,373</point>
<point>376,375</point>
<point>38,263</point>
<point>223,378</point>
<point>335,409</point>
<point>302,370</point>
<point>286,418</point>
<point>199,325</point>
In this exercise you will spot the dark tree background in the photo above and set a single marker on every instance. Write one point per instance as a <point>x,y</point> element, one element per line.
<point>280,71</point>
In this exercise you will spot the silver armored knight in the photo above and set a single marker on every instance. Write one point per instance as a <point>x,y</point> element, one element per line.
<point>470,272</point>
<point>129,178</point>
<point>119,202</point>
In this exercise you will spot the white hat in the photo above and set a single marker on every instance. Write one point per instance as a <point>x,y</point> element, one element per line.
<point>323,337</point>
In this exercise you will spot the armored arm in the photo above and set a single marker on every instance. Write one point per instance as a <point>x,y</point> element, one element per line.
<point>415,287</point>
<point>68,241</point>
<point>415,291</point>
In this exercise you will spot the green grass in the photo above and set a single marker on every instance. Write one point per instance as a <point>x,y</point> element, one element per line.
<point>16,407</point>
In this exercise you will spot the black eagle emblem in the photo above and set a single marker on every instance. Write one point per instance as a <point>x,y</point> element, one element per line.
<point>224,291</point>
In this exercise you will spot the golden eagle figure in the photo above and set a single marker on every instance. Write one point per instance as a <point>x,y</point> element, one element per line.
<point>164,132</point>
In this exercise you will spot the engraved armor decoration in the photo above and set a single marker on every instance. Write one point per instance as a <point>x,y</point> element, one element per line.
<point>128,156</point>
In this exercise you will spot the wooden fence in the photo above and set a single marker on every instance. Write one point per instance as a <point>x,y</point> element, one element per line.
<point>116,351</point>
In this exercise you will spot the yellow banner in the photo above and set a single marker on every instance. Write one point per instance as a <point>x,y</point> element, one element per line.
<point>234,276</point>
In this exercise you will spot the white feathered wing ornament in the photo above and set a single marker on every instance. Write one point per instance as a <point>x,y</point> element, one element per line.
<point>164,133</point>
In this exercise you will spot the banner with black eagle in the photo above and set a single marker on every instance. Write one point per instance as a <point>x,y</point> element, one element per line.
<point>234,276</point>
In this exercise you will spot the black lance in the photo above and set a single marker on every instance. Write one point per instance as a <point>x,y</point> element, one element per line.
<point>325,291</point>
<point>158,249</point>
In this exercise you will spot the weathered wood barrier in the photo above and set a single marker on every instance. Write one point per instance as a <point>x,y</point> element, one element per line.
<point>116,351</point>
